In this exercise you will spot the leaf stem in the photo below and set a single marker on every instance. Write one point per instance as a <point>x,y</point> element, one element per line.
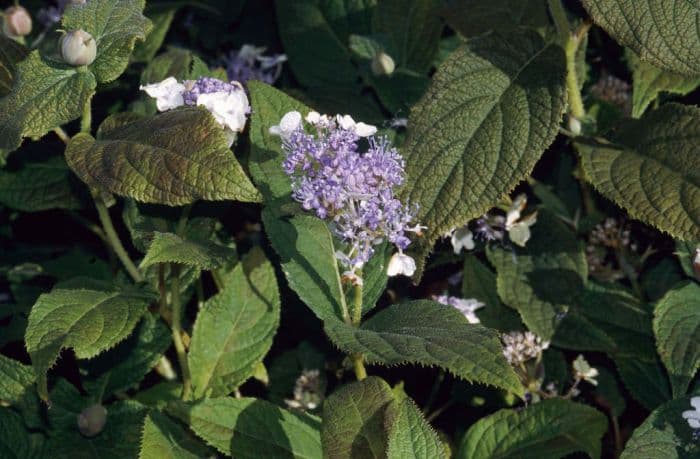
<point>62,135</point>
<point>619,446</point>
<point>576,107</point>
<point>358,359</point>
<point>86,120</point>
<point>359,366</point>
<point>114,240</point>
<point>176,328</point>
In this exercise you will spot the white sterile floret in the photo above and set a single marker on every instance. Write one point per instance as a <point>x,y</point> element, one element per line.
<point>462,238</point>
<point>288,124</point>
<point>365,130</point>
<point>583,370</point>
<point>361,129</point>
<point>693,416</point>
<point>519,228</point>
<point>313,117</point>
<point>346,122</point>
<point>168,93</point>
<point>401,264</point>
<point>228,108</point>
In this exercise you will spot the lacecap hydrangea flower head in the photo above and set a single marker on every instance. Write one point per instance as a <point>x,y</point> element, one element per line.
<point>226,101</point>
<point>352,189</point>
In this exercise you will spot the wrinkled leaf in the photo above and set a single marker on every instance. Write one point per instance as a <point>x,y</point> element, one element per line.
<point>202,253</point>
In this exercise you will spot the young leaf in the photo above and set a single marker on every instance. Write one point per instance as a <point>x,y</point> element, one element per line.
<point>665,33</point>
<point>164,438</point>
<point>11,53</point>
<point>410,435</point>
<point>115,26</point>
<point>429,333</point>
<point>44,96</point>
<point>234,329</point>
<point>202,253</point>
<point>173,158</point>
<point>677,330</point>
<point>249,428</point>
<point>493,108</point>
<point>88,321</point>
<point>550,429</point>
<point>651,168</point>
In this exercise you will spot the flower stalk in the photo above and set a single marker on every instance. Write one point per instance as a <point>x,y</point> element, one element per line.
<point>115,242</point>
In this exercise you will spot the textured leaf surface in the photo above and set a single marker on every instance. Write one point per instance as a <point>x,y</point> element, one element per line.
<point>356,419</point>
<point>475,17</point>
<point>249,428</point>
<point>663,32</point>
<point>550,429</point>
<point>146,50</point>
<point>14,438</point>
<point>234,329</point>
<point>88,321</point>
<point>11,53</point>
<point>493,108</point>
<point>16,380</point>
<point>43,97</point>
<point>410,435</point>
<point>649,81</point>
<point>173,158</point>
<point>652,169</point>
<point>663,435</point>
<point>163,438</point>
<point>115,26</point>
<point>39,186</point>
<point>171,248</point>
<point>428,333</point>
<point>677,330</point>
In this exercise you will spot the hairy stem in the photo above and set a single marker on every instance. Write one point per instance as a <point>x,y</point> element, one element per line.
<point>359,366</point>
<point>576,108</point>
<point>62,135</point>
<point>114,240</point>
<point>86,120</point>
<point>176,328</point>
<point>358,359</point>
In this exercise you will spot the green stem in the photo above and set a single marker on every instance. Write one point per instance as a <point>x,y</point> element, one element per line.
<point>176,328</point>
<point>619,446</point>
<point>86,120</point>
<point>431,417</point>
<point>434,391</point>
<point>184,217</point>
<point>358,359</point>
<point>62,135</point>
<point>114,240</point>
<point>359,366</point>
<point>561,22</point>
<point>576,108</point>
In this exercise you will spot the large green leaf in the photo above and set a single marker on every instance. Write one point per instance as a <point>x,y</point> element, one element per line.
<point>550,429</point>
<point>410,435</point>
<point>163,438</point>
<point>428,333</point>
<point>115,26</point>
<point>475,17</point>
<point>651,168</point>
<point>44,96</point>
<point>173,158</point>
<point>356,419</point>
<point>39,186</point>
<point>663,32</point>
<point>234,329</point>
<point>677,330</point>
<point>16,380</point>
<point>146,50</point>
<point>664,435</point>
<point>649,81</point>
<point>11,53</point>
<point>89,321</point>
<point>202,253</point>
<point>493,108</point>
<point>14,438</point>
<point>249,428</point>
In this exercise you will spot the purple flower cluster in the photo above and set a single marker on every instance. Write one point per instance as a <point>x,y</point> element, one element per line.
<point>249,63</point>
<point>52,14</point>
<point>354,190</point>
<point>205,85</point>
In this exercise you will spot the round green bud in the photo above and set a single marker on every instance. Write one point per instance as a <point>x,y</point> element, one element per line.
<point>16,22</point>
<point>78,48</point>
<point>383,64</point>
<point>92,420</point>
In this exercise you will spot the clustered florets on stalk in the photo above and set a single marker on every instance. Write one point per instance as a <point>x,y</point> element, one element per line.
<point>354,190</point>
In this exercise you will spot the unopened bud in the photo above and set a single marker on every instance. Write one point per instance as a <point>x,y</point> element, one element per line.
<point>383,64</point>
<point>78,48</point>
<point>574,125</point>
<point>92,420</point>
<point>16,22</point>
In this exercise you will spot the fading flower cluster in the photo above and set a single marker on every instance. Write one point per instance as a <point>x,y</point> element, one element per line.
<point>249,63</point>
<point>355,191</point>
<point>583,371</point>
<point>467,307</point>
<point>519,347</point>
<point>610,234</point>
<point>307,391</point>
<point>614,91</point>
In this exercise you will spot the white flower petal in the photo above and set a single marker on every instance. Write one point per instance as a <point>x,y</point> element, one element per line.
<point>365,130</point>
<point>229,108</point>
<point>313,117</point>
<point>694,423</point>
<point>462,238</point>
<point>695,402</point>
<point>168,93</point>
<point>346,122</point>
<point>288,124</point>
<point>401,264</point>
<point>691,414</point>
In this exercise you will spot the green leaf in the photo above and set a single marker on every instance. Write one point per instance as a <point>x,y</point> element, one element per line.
<point>549,429</point>
<point>645,380</point>
<point>664,435</point>
<point>410,435</point>
<point>11,53</point>
<point>146,50</point>
<point>16,380</point>
<point>686,252</point>
<point>526,277</point>
<point>175,62</point>
<point>661,32</point>
<point>171,248</point>
<point>173,158</point>
<point>38,186</point>
<point>677,330</point>
<point>288,366</point>
<point>475,17</point>
<point>413,27</point>
<point>115,26</point>
<point>44,97</point>
<point>355,420</point>
<point>493,108</point>
<point>374,276</point>
<point>163,438</point>
<point>88,321</point>
<point>249,428</point>
<point>650,167</point>
<point>315,34</point>
<point>266,155</point>
<point>649,81</point>
<point>234,329</point>
<point>14,438</point>
<point>608,393</point>
<point>428,333</point>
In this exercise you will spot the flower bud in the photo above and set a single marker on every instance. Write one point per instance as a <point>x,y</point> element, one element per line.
<point>16,22</point>
<point>383,64</point>
<point>78,48</point>
<point>92,420</point>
